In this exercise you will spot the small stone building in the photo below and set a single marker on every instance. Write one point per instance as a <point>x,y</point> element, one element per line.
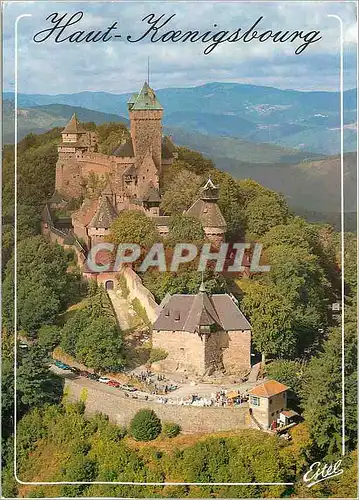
<point>267,401</point>
<point>202,333</point>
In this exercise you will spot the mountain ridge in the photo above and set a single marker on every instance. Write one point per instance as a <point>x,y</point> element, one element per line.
<point>304,120</point>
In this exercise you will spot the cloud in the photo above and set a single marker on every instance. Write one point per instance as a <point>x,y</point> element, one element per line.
<point>119,66</point>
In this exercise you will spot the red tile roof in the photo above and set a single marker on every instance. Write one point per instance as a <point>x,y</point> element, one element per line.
<point>268,389</point>
<point>87,211</point>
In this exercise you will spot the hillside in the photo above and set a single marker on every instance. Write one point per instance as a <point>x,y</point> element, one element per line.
<point>234,148</point>
<point>309,186</point>
<point>39,119</point>
<point>290,118</point>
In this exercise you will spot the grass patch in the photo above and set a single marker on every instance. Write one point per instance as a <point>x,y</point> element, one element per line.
<point>157,355</point>
<point>140,311</point>
<point>122,285</point>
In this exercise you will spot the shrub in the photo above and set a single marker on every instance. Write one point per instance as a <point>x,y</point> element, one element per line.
<point>145,425</point>
<point>170,429</point>
<point>157,355</point>
<point>122,284</point>
<point>140,311</point>
<point>49,336</point>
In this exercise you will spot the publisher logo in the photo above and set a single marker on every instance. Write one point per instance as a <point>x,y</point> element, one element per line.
<point>319,471</point>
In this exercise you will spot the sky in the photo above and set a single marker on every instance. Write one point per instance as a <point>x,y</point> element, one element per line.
<point>118,66</point>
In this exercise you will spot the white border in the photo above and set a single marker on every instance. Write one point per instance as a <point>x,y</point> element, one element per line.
<point>342,254</point>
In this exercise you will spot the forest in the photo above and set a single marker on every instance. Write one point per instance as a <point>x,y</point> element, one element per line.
<point>294,330</point>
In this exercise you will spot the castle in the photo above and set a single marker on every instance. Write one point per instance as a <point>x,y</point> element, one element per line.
<point>130,177</point>
<point>201,333</point>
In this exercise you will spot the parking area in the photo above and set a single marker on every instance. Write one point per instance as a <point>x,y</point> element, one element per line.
<point>187,394</point>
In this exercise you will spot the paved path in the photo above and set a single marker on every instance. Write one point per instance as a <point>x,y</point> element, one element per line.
<point>122,309</point>
<point>183,392</point>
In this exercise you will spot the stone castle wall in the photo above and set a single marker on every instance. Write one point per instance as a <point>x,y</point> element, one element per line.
<point>185,351</point>
<point>140,292</point>
<point>56,236</point>
<point>237,355</point>
<point>121,410</point>
<point>190,353</point>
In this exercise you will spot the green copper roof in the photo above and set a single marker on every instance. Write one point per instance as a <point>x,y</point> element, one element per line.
<point>146,99</point>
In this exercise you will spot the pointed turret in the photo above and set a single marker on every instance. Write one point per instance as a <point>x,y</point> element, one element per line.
<point>105,214</point>
<point>74,126</point>
<point>209,191</point>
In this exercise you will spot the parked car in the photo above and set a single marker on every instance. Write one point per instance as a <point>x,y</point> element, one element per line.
<point>84,373</point>
<point>93,376</point>
<point>75,370</point>
<point>113,383</point>
<point>128,388</point>
<point>103,380</point>
<point>62,365</point>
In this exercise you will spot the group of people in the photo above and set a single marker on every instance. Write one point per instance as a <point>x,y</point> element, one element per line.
<point>151,380</point>
<point>219,399</point>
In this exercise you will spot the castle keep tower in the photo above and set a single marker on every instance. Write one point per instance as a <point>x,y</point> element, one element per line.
<point>146,128</point>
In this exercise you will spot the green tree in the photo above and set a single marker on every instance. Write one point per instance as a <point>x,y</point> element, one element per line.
<point>186,281</point>
<point>36,385</point>
<point>297,274</point>
<point>271,316</point>
<point>321,395</point>
<point>264,212</point>
<point>231,204</point>
<point>39,305</point>
<point>196,162</point>
<point>7,382</point>
<point>72,330</point>
<point>145,425</point>
<point>49,336</point>
<point>110,136</point>
<point>181,193</point>
<point>133,226</point>
<point>185,229</point>
<point>99,345</point>
<point>287,372</point>
<point>45,287</point>
<point>78,468</point>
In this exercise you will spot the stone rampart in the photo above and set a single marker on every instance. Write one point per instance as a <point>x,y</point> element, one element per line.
<point>140,292</point>
<point>192,419</point>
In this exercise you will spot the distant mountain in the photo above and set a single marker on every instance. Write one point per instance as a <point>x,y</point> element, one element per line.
<point>311,186</point>
<point>310,182</point>
<point>39,119</point>
<point>233,148</point>
<point>303,120</point>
